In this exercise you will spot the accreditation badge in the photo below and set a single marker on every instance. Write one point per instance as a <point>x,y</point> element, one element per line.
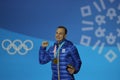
<point>63,50</point>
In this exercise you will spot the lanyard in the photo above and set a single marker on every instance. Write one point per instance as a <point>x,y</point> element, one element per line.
<point>57,52</point>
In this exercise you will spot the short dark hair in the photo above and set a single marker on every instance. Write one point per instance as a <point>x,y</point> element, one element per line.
<point>63,28</point>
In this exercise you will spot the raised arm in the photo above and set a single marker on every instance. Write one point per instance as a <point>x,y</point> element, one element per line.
<point>44,56</point>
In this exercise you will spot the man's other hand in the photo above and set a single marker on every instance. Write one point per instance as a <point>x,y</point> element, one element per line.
<point>70,69</point>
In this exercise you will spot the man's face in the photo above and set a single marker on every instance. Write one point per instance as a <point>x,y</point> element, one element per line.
<point>60,34</point>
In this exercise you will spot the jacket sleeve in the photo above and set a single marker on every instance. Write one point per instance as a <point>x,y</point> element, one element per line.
<point>44,56</point>
<point>76,59</point>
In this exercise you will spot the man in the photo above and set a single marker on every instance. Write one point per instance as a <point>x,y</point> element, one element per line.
<point>63,54</point>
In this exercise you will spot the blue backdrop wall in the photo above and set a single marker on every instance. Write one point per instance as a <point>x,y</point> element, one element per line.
<point>93,26</point>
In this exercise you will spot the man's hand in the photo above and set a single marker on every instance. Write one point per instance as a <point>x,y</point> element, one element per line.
<point>70,69</point>
<point>45,43</point>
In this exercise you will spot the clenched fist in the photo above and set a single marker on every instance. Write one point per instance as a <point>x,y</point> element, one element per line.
<point>45,43</point>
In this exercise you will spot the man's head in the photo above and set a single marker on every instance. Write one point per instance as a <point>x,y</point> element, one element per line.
<point>61,33</point>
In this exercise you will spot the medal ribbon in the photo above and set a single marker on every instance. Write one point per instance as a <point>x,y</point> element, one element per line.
<point>57,52</point>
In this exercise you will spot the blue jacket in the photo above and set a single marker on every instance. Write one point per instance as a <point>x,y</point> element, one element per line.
<point>68,55</point>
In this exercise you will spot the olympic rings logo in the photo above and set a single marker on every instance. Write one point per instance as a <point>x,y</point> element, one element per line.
<point>17,46</point>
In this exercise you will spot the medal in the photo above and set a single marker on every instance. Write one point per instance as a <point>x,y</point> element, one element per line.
<point>56,53</point>
<point>55,61</point>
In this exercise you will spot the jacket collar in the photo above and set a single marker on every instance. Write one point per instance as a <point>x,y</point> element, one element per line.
<point>60,42</point>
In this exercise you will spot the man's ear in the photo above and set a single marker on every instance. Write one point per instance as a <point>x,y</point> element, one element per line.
<point>65,36</point>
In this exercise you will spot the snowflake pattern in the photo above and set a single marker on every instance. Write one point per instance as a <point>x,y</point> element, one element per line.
<point>118,30</point>
<point>100,32</point>
<point>111,39</point>
<point>100,19</point>
<point>111,13</point>
<point>118,21</point>
<point>104,16</point>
